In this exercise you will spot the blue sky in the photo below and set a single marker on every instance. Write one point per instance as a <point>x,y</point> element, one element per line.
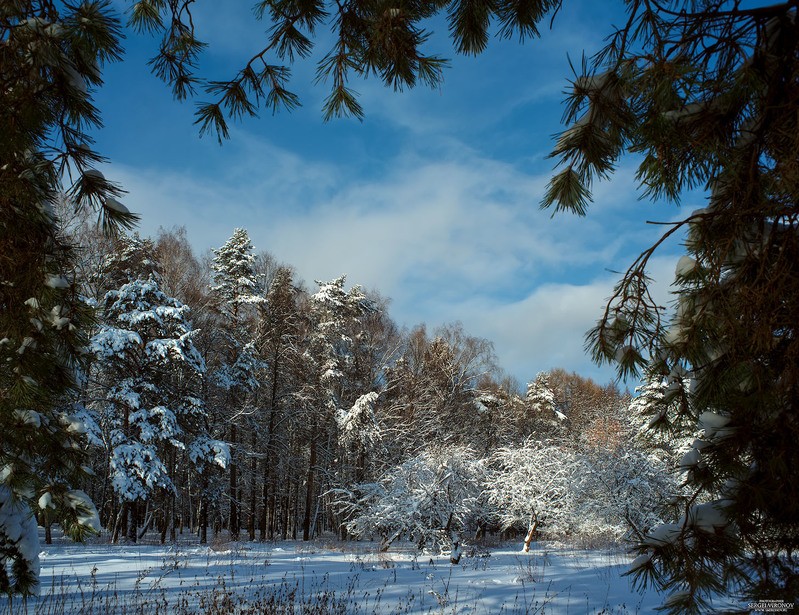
<point>432,200</point>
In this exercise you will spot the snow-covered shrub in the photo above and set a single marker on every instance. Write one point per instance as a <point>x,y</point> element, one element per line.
<point>430,499</point>
<point>532,487</point>
<point>622,492</point>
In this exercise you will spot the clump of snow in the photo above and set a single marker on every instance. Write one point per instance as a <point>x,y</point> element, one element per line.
<point>666,533</point>
<point>56,281</point>
<point>29,417</point>
<point>675,335</point>
<point>676,598</point>
<point>640,562</point>
<point>714,425</point>
<point>94,174</point>
<point>27,342</point>
<point>19,537</point>
<point>572,132</point>
<point>708,517</point>
<point>114,205</point>
<point>84,507</point>
<point>685,266</point>
<point>72,424</point>
<point>689,459</point>
<point>56,318</point>
<point>592,82</point>
<point>46,500</point>
<point>686,111</point>
<point>76,80</point>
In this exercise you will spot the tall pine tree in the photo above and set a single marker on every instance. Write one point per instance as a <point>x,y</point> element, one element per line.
<point>236,293</point>
<point>51,54</point>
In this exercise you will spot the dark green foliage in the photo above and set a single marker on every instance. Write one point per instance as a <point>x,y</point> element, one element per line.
<point>50,59</point>
<point>706,93</point>
<point>370,37</point>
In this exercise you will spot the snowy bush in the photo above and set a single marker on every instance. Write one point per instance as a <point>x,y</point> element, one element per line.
<point>430,499</point>
<point>532,487</point>
<point>622,492</point>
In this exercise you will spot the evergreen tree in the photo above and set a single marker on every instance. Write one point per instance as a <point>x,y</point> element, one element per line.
<point>149,373</point>
<point>328,387</point>
<point>235,294</point>
<point>131,258</point>
<point>50,59</point>
<point>722,117</point>
<point>543,415</point>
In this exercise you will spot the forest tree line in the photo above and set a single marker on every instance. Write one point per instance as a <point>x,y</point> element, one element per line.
<point>223,395</point>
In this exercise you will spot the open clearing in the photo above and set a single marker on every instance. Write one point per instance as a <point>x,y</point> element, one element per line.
<point>331,577</point>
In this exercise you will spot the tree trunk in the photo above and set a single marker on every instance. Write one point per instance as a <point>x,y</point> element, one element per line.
<point>133,510</point>
<point>530,533</point>
<point>286,511</point>
<point>120,522</point>
<point>233,523</point>
<point>309,491</point>
<point>48,534</point>
<point>203,520</point>
<point>269,501</point>
<point>296,509</point>
<point>455,553</point>
<point>253,488</point>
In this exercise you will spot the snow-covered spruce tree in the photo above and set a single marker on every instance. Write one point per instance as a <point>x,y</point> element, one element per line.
<point>359,432</point>
<point>329,362</point>
<point>51,54</point>
<point>132,258</point>
<point>235,297</point>
<point>148,374</point>
<point>429,499</point>
<point>659,417</point>
<point>543,417</point>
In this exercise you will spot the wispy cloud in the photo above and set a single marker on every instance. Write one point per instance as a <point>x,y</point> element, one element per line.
<point>433,200</point>
<point>547,327</point>
<point>449,239</point>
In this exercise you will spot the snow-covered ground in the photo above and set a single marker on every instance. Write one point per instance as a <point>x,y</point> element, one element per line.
<point>332,577</point>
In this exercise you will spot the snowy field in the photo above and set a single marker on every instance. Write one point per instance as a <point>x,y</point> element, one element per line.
<point>330,577</point>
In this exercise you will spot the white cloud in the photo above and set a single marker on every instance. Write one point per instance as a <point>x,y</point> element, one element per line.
<point>450,239</point>
<point>546,328</point>
<point>433,200</point>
